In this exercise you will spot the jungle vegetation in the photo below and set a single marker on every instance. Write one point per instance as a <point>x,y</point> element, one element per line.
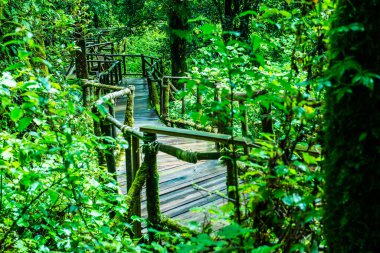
<point>318,62</point>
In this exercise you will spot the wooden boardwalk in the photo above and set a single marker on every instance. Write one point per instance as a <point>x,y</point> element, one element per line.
<point>180,182</point>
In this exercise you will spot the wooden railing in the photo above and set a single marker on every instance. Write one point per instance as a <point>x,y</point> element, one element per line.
<point>164,95</point>
<point>97,61</point>
<point>105,47</point>
<point>138,173</point>
<point>112,68</point>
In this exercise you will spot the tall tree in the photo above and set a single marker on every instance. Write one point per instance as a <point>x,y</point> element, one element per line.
<point>178,13</point>
<point>352,213</point>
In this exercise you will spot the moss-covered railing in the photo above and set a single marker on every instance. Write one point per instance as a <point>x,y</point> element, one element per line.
<point>102,98</point>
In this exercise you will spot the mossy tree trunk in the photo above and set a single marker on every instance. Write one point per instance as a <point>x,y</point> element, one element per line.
<point>80,54</point>
<point>352,211</point>
<point>177,20</point>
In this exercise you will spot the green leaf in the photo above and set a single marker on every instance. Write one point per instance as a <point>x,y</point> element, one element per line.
<point>200,18</point>
<point>24,123</point>
<point>22,54</point>
<point>16,114</point>
<point>266,249</point>
<point>208,28</point>
<point>309,159</point>
<point>96,213</point>
<point>363,136</point>
<point>23,223</point>
<point>53,195</point>
<point>17,65</point>
<point>232,231</point>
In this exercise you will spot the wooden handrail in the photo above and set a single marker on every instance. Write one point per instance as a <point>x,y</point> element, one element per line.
<point>197,135</point>
<point>100,44</point>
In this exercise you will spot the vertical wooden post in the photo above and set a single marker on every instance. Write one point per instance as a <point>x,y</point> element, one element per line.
<point>199,100</point>
<point>244,122</point>
<point>124,64</point>
<point>161,68</point>
<point>110,74</point>
<point>166,90</point>
<point>183,101</point>
<point>85,93</point>
<point>217,116</point>
<point>106,129</point>
<point>163,81</point>
<point>120,73</point>
<point>152,193</point>
<point>112,112</point>
<point>97,129</point>
<point>164,98</point>
<point>135,143</point>
<point>129,121</point>
<point>143,67</point>
<point>153,93</point>
<point>132,158</point>
<point>225,127</point>
<point>266,119</point>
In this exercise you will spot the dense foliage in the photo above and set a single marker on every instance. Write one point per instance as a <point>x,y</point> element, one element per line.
<point>54,195</point>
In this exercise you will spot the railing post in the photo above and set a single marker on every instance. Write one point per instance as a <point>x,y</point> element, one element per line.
<point>106,129</point>
<point>135,142</point>
<point>183,101</point>
<point>120,73</point>
<point>244,122</point>
<point>128,121</point>
<point>225,127</point>
<point>143,66</point>
<point>161,68</point>
<point>266,119</point>
<point>132,158</point>
<point>165,88</point>
<point>152,193</point>
<point>199,100</point>
<point>217,116</point>
<point>112,112</point>
<point>85,93</point>
<point>153,92</point>
<point>97,129</point>
<point>124,65</point>
<point>110,74</point>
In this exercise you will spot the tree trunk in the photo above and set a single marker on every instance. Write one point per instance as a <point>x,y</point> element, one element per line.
<point>177,20</point>
<point>80,54</point>
<point>352,213</point>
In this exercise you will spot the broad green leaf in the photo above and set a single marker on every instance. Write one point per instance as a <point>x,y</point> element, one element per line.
<point>266,249</point>
<point>53,195</point>
<point>16,114</point>
<point>24,123</point>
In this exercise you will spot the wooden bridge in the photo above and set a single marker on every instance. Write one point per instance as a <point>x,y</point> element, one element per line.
<point>166,169</point>
<point>181,168</point>
<point>181,184</point>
